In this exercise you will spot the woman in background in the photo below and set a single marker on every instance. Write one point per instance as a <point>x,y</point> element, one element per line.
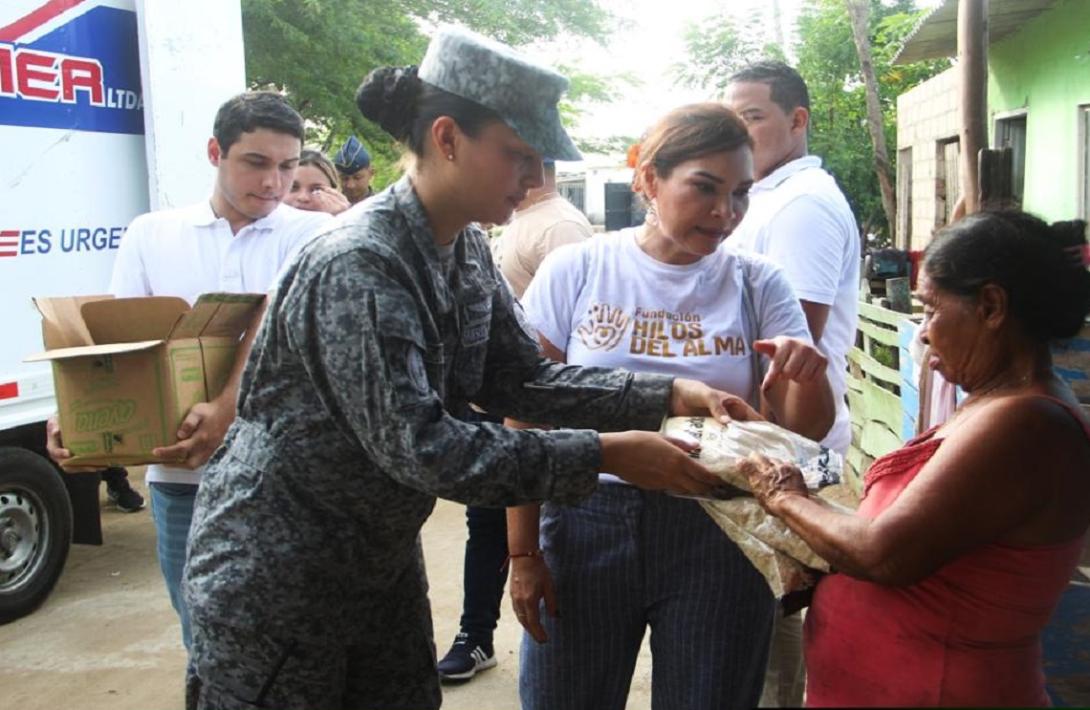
<point>315,186</point>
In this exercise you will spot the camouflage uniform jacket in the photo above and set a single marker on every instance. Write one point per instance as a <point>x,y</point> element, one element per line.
<point>348,427</point>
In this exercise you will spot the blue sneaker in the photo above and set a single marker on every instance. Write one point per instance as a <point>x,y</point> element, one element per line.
<point>466,658</point>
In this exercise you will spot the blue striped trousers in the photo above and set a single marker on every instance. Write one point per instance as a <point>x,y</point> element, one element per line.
<point>624,560</point>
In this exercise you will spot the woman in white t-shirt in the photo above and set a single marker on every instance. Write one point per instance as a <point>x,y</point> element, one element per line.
<point>666,297</point>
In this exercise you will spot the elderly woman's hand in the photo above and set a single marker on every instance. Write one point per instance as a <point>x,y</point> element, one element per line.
<point>772,481</point>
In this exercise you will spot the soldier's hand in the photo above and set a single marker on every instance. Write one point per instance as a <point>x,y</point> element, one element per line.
<point>200,434</point>
<point>531,583</point>
<point>656,463</point>
<point>691,398</point>
<point>54,446</point>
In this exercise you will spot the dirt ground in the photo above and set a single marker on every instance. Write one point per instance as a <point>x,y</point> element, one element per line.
<point>107,638</point>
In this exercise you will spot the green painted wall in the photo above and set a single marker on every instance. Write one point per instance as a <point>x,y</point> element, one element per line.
<point>1045,68</point>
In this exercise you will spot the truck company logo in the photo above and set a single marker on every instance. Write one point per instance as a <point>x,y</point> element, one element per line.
<point>65,59</point>
<point>67,240</point>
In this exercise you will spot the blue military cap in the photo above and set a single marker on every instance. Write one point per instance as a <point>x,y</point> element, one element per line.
<point>523,93</point>
<point>352,157</point>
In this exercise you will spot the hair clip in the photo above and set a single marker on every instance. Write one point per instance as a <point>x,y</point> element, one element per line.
<point>632,157</point>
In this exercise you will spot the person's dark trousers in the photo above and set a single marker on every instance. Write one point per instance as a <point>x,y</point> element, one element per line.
<point>115,476</point>
<point>484,575</point>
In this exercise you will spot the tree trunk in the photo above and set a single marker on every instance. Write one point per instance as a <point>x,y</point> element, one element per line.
<point>777,26</point>
<point>859,12</point>
<point>973,67</point>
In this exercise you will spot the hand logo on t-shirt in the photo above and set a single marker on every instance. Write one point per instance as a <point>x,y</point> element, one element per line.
<point>604,327</point>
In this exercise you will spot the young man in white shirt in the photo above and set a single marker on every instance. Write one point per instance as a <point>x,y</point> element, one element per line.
<point>799,218</point>
<point>236,241</point>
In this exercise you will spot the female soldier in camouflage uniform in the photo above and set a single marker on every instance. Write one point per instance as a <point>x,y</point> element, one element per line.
<point>305,578</point>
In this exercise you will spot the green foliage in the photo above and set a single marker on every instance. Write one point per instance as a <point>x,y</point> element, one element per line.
<point>716,48</point>
<point>612,145</point>
<point>838,131</point>
<point>587,88</point>
<point>517,22</point>
<point>319,51</point>
<point>828,61</point>
<point>886,355</point>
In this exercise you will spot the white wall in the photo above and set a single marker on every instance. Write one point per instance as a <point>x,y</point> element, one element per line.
<point>191,59</point>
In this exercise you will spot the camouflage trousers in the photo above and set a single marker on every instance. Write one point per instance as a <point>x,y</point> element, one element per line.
<point>237,669</point>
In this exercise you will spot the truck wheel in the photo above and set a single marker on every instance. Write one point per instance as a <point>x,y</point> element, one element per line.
<point>35,531</point>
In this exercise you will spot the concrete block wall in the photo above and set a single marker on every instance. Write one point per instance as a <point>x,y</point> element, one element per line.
<point>926,115</point>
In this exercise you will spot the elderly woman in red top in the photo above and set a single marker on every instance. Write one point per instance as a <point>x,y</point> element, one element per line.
<point>966,536</point>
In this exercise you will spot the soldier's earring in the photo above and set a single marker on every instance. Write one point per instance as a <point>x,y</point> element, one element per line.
<point>450,156</point>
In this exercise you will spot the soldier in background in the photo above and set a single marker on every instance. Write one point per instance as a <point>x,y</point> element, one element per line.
<point>354,164</point>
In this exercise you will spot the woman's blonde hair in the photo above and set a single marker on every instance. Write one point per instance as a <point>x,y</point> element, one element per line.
<point>324,164</point>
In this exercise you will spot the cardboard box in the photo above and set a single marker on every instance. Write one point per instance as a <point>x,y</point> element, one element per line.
<point>127,370</point>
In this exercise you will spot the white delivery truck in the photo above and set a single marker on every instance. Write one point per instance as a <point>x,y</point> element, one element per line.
<point>105,109</point>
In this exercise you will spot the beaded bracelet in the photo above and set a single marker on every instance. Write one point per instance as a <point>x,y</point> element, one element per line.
<point>515,555</point>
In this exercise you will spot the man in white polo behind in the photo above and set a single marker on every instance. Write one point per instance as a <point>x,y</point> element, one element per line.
<point>798,218</point>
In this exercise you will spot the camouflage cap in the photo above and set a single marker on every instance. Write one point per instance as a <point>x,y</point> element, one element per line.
<point>523,93</point>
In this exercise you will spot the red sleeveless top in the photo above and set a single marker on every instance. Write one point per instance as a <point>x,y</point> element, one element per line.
<point>969,634</point>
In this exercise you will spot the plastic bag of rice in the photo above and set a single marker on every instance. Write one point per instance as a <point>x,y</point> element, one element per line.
<point>778,554</point>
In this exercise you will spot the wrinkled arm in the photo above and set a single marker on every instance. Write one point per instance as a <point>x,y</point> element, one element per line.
<point>972,492</point>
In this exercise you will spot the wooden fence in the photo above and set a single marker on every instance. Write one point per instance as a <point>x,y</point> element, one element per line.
<point>883,394</point>
<point>880,377</point>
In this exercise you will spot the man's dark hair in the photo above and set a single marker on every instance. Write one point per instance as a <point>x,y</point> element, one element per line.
<point>253,110</point>
<point>787,86</point>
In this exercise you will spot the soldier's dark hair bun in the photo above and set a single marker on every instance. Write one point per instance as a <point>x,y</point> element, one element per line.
<point>388,96</point>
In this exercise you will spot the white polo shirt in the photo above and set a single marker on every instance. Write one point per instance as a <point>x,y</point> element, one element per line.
<point>189,251</point>
<point>799,219</point>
